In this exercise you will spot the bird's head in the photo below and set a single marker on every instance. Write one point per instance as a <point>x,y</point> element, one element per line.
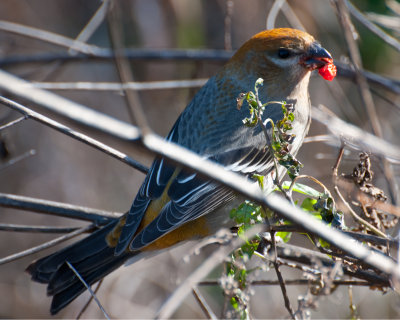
<point>282,57</point>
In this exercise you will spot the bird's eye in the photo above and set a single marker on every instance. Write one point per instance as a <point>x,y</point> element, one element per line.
<point>284,53</point>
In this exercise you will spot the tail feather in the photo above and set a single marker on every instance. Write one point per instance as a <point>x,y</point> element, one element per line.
<point>91,257</point>
<point>42,269</point>
<point>64,276</point>
<point>74,289</point>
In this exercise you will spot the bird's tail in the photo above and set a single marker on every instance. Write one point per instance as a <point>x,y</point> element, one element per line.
<point>91,257</point>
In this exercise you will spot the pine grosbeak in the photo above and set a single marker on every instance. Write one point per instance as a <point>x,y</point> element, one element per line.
<point>173,204</point>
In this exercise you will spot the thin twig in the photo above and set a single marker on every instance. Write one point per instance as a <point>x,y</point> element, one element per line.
<point>129,53</point>
<point>88,288</point>
<point>67,108</point>
<point>385,21</point>
<point>57,208</point>
<point>34,229</point>
<point>354,137</point>
<point>347,71</point>
<point>16,159</point>
<point>112,86</point>
<point>11,123</point>
<point>45,245</point>
<point>372,27</point>
<point>74,134</point>
<point>228,25</point>
<point>339,158</point>
<point>321,138</point>
<point>273,13</point>
<point>280,278</point>
<point>203,304</point>
<point>293,282</point>
<point>132,98</point>
<point>91,26</point>
<point>173,302</point>
<point>291,16</point>
<point>350,209</point>
<point>49,37</point>
<point>357,217</point>
<point>81,312</point>
<point>394,6</point>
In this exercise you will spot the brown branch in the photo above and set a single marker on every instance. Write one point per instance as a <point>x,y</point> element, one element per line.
<point>88,288</point>
<point>366,95</point>
<point>11,123</point>
<point>394,43</point>
<point>293,282</point>
<point>34,229</point>
<point>203,304</point>
<point>57,208</point>
<point>280,278</point>
<point>45,245</point>
<point>81,312</point>
<point>74,134</point>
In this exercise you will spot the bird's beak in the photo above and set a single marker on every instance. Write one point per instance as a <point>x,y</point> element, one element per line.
<point>316,57</point>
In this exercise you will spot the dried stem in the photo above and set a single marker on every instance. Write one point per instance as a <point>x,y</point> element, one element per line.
<point>46,245</point>
<point>88,288</point>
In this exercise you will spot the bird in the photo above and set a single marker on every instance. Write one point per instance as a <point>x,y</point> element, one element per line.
<point>174,204</point>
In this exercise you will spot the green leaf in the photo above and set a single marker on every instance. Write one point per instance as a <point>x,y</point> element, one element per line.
<point>285,236</point>
<point>234,303</point>
<point>260,179</point>
<point>303,189</point>
<point>308,204</point>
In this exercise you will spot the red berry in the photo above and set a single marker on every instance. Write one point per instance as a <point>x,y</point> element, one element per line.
<point>328,71</point>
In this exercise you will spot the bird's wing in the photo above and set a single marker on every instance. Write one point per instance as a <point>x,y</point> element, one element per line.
<point>191,196</point>
<point>171,196</point>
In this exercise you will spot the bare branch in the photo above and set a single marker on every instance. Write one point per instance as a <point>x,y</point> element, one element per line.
<point>113,86</point>
<point>129,53</point>
<point>16,159</point>
<point>88,288</point>
<point>49,37</point>
<point>57,208</point>
<point>280,277</point>
<point>273,13</point>
<point>91,26</point>
<point>45,245</point>
<point>67,108</point>
<point>372,27</point>
<point>203,304</point>
<point>81,312</point>
<point>346,71</point>
<point>292,282</point>
<point>355,137</point>
<point>11,123</point>
<point>34,229</point>
<point>385,21</point>
<point>74,134</point>
<point>205,268</point>
<point>228,25</point>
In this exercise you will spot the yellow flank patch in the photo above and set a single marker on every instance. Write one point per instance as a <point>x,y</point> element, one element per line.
<point>113,236</point>
<point>193,229</point>
<point>151,213</point>
<point>156,205</point>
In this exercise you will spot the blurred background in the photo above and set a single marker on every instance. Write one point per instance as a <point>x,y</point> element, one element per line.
<point>56,167</point>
